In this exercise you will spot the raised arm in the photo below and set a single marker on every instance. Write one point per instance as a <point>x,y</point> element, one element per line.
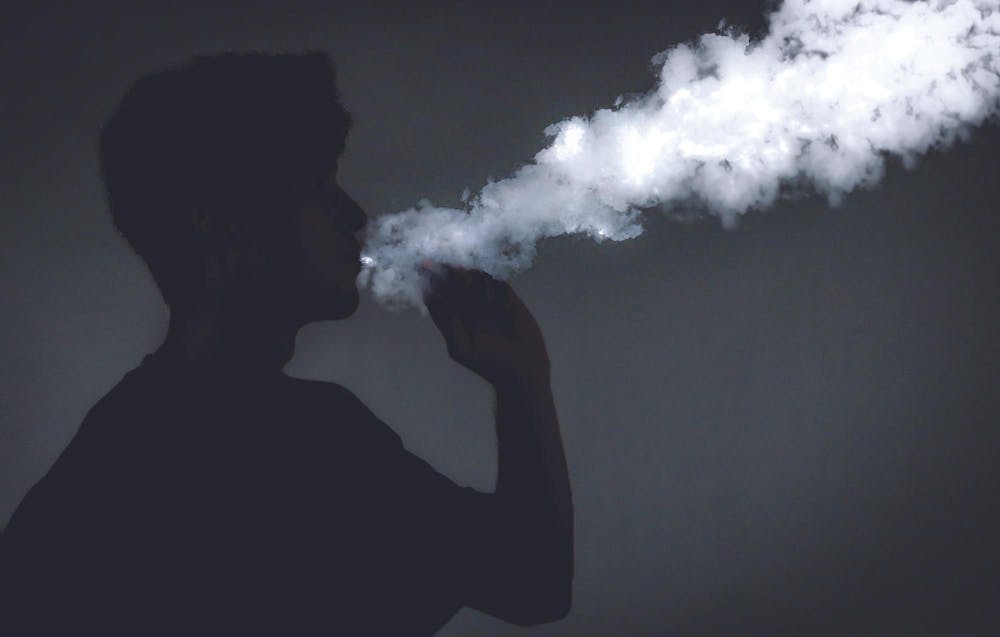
<point>526,573</point>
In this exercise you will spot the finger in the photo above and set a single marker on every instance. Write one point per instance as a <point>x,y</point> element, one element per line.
<point>441,284</point>
<point>447,300</point>
<point>439,301</point>
<point>460,337</point>
<point>495,292</point>
<point>507,302</point>
<point>453,329</point>
<point>469,293</point>
<point>502,292</point>
<point>492,297</point>
<point>456,289</point>
<point>437,312</point>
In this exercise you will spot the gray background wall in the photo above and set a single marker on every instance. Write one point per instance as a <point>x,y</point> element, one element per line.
<point>785,429</point>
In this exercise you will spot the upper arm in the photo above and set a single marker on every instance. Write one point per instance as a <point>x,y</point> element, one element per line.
<point>475,547</point>
<point>461,541</point>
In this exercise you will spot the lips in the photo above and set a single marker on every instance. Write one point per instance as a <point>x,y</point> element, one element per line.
<point>356,252</point>
<point>354,259</point>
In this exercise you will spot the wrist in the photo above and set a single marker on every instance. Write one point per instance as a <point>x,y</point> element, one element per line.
<point>523,380</point>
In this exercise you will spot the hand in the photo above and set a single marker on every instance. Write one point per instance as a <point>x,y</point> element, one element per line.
<point>487,328</point>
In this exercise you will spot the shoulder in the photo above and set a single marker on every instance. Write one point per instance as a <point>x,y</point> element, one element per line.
<point>340,410</point>
<point>141,394</point>
<point>325,394</point>
<point>323,390</point>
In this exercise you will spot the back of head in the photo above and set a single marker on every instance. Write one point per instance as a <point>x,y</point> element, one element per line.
<point>238,133</point>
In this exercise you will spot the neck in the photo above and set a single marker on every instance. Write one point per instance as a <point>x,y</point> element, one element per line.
<point>203,338</point>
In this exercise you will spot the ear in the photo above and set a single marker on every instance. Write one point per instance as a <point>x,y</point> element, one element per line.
<point>216,232</point>
<point>207,225</point>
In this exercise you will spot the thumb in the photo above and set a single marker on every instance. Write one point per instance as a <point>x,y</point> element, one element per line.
<point>440,295</point>
<point>457,335</point>
<point>437,307</point>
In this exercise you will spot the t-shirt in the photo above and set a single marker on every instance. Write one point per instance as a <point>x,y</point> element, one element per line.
<point>236,502</point>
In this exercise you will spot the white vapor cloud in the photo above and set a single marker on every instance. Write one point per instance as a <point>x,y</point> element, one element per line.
<point>818,103</point>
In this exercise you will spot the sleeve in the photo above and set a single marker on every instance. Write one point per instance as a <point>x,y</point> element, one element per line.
<point>431,531</point>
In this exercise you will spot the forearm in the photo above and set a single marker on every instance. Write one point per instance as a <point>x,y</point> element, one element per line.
<point>532,479</point>
<point>532,468</point>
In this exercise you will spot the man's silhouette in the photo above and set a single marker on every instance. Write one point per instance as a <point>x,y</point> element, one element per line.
<point>209,493</point>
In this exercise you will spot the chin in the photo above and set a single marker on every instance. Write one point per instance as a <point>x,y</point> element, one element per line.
<point>352,305</point>
<point>337,304</point>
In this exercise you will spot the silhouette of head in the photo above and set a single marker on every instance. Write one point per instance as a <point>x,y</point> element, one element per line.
<point>221,174</point>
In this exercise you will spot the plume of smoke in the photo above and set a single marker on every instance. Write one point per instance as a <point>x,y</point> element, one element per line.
<point>819,102</point>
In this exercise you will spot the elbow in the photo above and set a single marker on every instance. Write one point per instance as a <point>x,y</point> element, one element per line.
<point>559,605</point>
<point>547,589</point>
<point>532,579</point>
<point>535,615</point>
<point>543,604</point>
